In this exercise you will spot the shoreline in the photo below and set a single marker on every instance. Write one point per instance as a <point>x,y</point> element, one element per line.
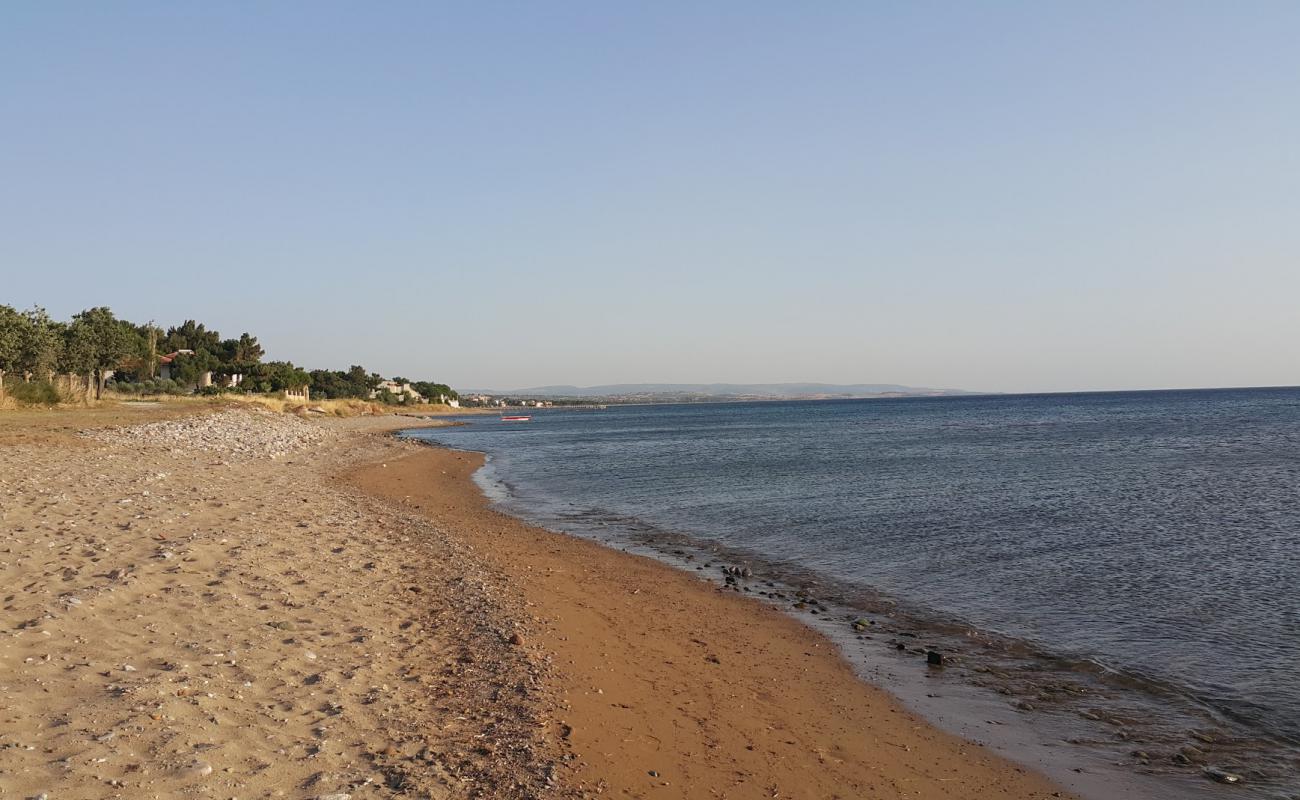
<point>1059,716</point>
<point>1102,731</point>
<point>670,685</point>
<point>257,605</point>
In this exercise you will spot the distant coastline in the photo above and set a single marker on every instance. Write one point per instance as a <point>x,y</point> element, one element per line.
<point>642,393</point>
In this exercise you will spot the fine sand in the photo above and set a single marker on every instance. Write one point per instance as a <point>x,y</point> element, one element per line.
<point>190,610</point>
<point>249,605</point>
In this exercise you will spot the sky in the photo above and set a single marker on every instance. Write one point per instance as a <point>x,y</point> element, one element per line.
<point>999,197</point>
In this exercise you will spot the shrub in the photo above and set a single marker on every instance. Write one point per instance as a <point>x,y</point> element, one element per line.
<point>36,393</point>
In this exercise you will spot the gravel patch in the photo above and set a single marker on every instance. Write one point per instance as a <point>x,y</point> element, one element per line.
<point>237,434</point>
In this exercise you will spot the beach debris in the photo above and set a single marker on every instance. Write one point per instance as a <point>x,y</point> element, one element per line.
<point>197,769</point>
<point>934,658</point>
<point>1221,775</point>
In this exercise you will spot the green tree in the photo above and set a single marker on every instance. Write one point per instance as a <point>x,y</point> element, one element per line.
<point>12,327</point>
<point>357,376</point>
<point>150,337</point>
<point>191,335</point>
<point>29,343</point>
<point>275,376</point>
<point>434,392</point>
<point>247,350</point>
<point>96,341</point>
<point>188,369</point>
<point>42,343</point>
<point>334,384</point>
<point>244,350</point>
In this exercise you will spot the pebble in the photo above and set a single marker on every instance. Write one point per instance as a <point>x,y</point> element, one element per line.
<point>198,769</point>
<point>236,434</point>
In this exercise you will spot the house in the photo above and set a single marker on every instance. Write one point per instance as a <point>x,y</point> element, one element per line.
<point>165,364</point>
<point>402,391</point>
<point>166,367</point>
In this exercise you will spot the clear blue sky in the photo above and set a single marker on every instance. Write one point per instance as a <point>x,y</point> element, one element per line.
<point>1000,196</point>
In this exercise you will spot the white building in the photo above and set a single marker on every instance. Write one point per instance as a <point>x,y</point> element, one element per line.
<point>402,391</point>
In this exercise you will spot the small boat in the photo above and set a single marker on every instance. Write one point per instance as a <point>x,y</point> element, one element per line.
<point>516,419</point>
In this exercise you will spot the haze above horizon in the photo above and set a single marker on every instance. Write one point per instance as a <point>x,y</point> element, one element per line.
<point>1016,197</point>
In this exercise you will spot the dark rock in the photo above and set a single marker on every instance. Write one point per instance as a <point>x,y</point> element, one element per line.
<point>1221,775</point>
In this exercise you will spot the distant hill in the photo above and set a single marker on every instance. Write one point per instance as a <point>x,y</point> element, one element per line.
<point>722,391</point>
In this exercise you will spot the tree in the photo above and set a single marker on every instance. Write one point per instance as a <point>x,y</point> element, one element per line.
<point>191,335</point>
<point>11,337</point>
<point>97,341</point>
<point>333,384</point>
<point>246,350</point>
<point>150,334</point>
<point>29,342</point>
<point>435,392</point>
<point>187,369</point>
<point>275,376</point>
<point>358,376</point>
<point>42,343</point>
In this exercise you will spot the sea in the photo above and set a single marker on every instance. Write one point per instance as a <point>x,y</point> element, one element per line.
<point>1110,581</point>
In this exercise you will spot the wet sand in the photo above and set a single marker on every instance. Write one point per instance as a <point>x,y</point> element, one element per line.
<point>669,687</point>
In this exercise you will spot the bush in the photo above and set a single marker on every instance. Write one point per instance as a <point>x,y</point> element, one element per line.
<point>36,393</point>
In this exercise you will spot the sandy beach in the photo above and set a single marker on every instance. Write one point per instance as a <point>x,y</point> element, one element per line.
<point>251,605</point>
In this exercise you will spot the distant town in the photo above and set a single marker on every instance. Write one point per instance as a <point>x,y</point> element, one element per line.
<point>614,394</point>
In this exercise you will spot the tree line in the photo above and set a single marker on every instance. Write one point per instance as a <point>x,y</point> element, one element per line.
<point>96,344</point>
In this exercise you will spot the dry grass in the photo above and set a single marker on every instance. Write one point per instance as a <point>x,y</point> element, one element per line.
<point>60,424</point>
<point>331,408</point>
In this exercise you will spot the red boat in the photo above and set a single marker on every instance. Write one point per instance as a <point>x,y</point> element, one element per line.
<point>516,419</point>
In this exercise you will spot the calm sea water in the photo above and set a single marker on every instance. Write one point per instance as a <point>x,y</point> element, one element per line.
<point>1144,545</point>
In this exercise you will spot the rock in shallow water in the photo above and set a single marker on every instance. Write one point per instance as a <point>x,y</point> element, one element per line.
<point>1221,775</point>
